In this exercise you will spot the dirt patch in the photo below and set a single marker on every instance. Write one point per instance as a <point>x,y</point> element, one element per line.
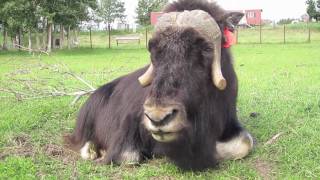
<point>162,178</point>
<point>25,151</point>
<point>18,146</point>
<point>56,151</point>
<point>21,140</point>
<point>264,168</point>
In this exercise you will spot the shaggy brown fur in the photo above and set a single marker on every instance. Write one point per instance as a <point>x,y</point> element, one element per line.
<point>112,116</point>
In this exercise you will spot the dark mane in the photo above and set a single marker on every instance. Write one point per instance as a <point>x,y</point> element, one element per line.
<point>210,7</point>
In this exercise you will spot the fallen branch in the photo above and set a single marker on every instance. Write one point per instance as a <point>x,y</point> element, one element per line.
<point>82,80</point>
<point>26,89</point>
<point>31,50</point>
<point>273,139</point>
<point>23,96</point>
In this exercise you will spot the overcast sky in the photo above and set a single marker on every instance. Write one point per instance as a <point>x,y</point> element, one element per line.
<point>272,9</point>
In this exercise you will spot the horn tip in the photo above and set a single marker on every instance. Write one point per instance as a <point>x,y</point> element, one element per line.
<point>143,81</point>
<point>221,84</point>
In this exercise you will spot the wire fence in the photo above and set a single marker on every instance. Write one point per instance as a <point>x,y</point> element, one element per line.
<point>126,39</point>
<point>292,33</point>
<point>302,33</point>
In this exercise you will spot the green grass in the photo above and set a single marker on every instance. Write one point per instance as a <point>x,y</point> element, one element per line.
<point>279,82</point>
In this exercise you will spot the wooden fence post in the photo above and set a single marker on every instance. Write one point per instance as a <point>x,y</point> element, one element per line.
<point>309,33</point>
<point>260,32</point>
<point>90,37</point>
<point>284,33</point>
<point>147,37</point>
<point>109,32</point>
<point>237,35</point>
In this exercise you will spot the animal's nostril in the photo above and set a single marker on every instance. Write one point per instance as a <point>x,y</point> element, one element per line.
<point>165,120</point>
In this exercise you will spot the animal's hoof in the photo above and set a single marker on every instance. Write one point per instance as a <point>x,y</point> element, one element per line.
<point>236,148</point>
<point>88,151</point>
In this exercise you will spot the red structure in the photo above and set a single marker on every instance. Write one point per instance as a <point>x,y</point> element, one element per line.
<point>154,17</point>
<point>253,16</point>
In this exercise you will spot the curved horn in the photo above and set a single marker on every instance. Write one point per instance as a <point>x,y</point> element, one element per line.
<point>218,80</point>
<point>147,77</point>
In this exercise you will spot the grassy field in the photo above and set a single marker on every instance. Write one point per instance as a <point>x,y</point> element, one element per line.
<point>278,83</point>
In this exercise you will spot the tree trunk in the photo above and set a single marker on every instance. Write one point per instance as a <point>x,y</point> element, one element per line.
<point>90,37</point>
<point>37,39</point>
<point>5,35</point>
<point>53,37</point>
<point>68,37</point>
<point>109,35</point>
<point>30,42</point>
<point>76,38</point>
<point>13,42</point>
<point>44,37</point>
<point>49,37</point>
<point>19,38</point>
<point>61,36</point>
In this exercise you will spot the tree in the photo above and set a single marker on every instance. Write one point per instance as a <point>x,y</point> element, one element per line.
<point>318,10</point>
<point>16,19</point>
<point>20,16</point>
<point>71,13</point>
<point>311,9</point>
<point>109,11</point>
<point>31,22</point>
<point>4,24</point>
<point>145,7</point>
<point>48,9</point>
<point>285,21</point>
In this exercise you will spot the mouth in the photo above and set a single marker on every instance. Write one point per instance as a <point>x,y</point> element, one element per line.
<point>164,136</point>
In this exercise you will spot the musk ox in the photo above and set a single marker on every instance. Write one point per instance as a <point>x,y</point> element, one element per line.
<point>175,110</point>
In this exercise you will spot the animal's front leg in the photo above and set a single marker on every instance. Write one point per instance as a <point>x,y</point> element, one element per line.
<point>126,157</point>
<point>89,151</point>
<point>236,148</point>
<point>122,150</point>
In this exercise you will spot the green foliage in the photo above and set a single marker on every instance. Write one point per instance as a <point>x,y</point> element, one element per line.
<point>110,10</point>
<point>285,21</point>
<point>27,14</point>
<point>72,12</point>
<point>15,13</point>
<point>311,9</point>
<point>145,7</point>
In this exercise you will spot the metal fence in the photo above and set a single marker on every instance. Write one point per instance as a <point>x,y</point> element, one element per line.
<point>302,33</point>
<point>293,33</point>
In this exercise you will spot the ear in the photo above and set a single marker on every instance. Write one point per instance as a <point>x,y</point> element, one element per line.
<point>232,19</point>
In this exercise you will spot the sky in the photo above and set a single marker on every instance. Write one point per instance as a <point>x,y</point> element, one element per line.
<point>272,9</point>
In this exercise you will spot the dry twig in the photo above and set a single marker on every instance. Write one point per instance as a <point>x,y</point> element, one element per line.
<point>24,88</point>
<point>273,139</point>
<point>31,50</point>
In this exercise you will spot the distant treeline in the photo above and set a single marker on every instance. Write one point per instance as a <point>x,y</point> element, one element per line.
<point>43,18</point>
